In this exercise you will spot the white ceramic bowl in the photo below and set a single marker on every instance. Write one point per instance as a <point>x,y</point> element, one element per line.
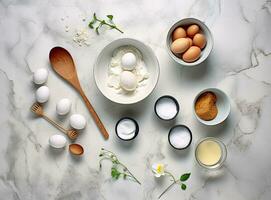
<point>204,29</point>
<point>222,103</point>
<point>101,71</point>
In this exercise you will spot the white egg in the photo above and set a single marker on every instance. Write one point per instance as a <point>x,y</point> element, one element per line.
<point>128,81</point>
<point>63,106</point>
<point>42,94</point>
<point>40,76</point>
<point>77,121</point>
<point>128,61</point>
<point>57,141</point>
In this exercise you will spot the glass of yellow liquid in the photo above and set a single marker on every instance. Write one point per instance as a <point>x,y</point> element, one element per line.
<point>210,153</point>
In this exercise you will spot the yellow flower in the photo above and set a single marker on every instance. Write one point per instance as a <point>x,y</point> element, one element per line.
<point>158,169</point>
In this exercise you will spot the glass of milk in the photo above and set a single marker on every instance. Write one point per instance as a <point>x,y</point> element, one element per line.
<point>210,153</point>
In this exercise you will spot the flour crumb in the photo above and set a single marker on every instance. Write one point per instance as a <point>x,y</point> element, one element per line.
<point>81,37</point>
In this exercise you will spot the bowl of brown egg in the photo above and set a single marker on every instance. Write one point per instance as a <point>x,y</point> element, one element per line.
<point>189,42</point>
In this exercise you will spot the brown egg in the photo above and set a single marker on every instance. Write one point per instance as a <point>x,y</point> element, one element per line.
<point>199,40</point>
<point>190,41</point>
<point>180,45</point>
<point>192,30</point>
<point>192,54</point>
<point>178,33</point>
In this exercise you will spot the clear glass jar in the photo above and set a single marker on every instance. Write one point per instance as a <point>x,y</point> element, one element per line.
<point>222,158</point>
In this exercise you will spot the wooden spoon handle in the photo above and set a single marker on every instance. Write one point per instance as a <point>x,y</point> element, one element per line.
<point>95,116</point>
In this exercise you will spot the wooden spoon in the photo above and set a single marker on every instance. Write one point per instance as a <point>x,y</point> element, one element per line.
<point>63,64</point>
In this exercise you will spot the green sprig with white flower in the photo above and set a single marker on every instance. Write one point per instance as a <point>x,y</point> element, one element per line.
<point>118,169</point>
<point>159,170</point>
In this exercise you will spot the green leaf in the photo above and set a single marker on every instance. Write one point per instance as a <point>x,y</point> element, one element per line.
<point>115,173</point>
<point>110,17</point>
<point>185,176</point>
<point>90,25</point>
<point>124,176</point>
<point>183,186</point>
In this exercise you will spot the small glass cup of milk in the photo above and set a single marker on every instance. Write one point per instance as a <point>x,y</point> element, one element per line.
<point>210,153</point>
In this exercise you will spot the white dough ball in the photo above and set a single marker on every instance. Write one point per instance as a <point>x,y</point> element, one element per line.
<point>57,141</point>
<point>128,81</point>
<point>40,76</point>
<point>128,61</point>
<point>42,94</point>
<point>77,121</point>
<point>63,106</point>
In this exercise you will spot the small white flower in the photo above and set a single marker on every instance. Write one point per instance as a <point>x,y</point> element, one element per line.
<point>158,169</point>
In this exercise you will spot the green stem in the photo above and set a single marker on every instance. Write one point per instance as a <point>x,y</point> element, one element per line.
<point>124,174</point>
<point>168,173</point>
<point>174,182</point>
<point>110,25</point>
<point>166,190</point>
<point>130,173</point>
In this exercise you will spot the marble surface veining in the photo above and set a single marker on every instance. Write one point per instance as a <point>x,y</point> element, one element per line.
<point>240,64</point>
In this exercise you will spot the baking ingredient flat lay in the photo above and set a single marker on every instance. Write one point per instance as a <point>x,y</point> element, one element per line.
<point>127,71</point>
<point>159,170</point>
<point>38,110</point>
<point>188,42</point>
<point>102,22</point>
<point>118,169</point>
<point>62,63</point>
<point>205,106</point>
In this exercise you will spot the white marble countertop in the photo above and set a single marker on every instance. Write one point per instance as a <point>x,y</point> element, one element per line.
<point>239,64</point>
